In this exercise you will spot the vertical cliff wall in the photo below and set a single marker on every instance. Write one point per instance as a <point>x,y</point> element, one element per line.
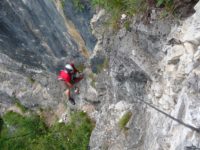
<point>33,33</point>
<point>36,41</point>
<point>155,63</point>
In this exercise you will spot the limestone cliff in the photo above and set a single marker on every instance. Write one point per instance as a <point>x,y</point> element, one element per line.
<point>35,42</point>
<point>154,74</point>
<point>148,72</point>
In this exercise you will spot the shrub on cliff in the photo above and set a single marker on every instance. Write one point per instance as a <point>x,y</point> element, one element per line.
<point>130,7</point>
<point>20,132</point>
<point>124,120</point>
<point>117,7</point>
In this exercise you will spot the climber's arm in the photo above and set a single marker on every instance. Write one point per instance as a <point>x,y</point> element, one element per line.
<point>75,70</point>
<point>78,79</point>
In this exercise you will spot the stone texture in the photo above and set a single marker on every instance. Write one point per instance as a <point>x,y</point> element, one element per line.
<point>175,53</point>
<point>156,62</point>
<point>142,64</point>
<point>81,19</point>
<point>34,44</point>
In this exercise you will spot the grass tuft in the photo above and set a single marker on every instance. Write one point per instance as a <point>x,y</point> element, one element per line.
<point>119,7</point>
<point>124,120</point>
<point>129,7</point>
<point>79,6</point>
<point>62,3</point>
<point>31,79</point>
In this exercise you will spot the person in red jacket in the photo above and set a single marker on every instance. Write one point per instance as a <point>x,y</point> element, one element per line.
<point>69,76</point>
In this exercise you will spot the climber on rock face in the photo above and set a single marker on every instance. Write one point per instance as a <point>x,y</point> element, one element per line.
<point>70,75</point>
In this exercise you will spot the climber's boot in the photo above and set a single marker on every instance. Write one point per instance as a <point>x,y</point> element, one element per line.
<point>72,101</point>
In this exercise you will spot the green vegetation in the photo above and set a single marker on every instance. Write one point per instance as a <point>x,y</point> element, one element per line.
<point>124,120</point>
<point>31,79</point>
<point>20,132</point>
<point>103,65</point>
<point>81,67</point>
<point>163,14</point>
<point>79,6</point>
<point>127,25</point>
<point>62,3</point>
<point>129,7</point>
<point>19,105</point>
<point>119,7</point>
<point>166,3</point>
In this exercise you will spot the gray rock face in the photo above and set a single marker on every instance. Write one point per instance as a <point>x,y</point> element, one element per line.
<point>81,15</point>
<point>34,44</point>
<point>157,63</point>
<point>133,61</point>
<point>33,33</point>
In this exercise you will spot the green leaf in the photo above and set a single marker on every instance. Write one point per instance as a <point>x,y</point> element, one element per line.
<point>160,2</point>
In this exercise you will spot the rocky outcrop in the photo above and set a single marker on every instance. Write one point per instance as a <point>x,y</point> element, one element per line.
<point>33,33</point>
<point>133,62</point>
<point>177,90</point>
<point>148,71</point>
<point>80,14</point>
<point>155,63</point>
<point>35,43</point>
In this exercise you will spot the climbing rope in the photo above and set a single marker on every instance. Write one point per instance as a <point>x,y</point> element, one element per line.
<point>169,116</point>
